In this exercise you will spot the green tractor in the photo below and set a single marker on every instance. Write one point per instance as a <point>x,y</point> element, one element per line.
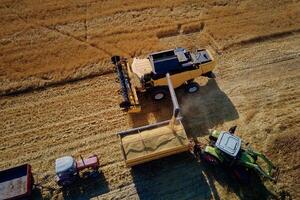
<point>225,148</point>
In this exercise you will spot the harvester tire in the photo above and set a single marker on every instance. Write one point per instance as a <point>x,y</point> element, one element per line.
<point>158,94</point>
<point>125,105</point>
<point>210,75</point>
<point>192,87</point>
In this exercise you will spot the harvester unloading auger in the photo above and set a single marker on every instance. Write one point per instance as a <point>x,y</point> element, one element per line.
<point>146,143</point>
<point>148,75</point>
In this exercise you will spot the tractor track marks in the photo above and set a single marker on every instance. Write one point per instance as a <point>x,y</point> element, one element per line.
<point>262,38</point>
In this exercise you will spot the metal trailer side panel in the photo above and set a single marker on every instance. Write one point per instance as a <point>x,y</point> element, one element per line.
<point>16,183</point>
<point>131,163</point>
<point>181,144</point>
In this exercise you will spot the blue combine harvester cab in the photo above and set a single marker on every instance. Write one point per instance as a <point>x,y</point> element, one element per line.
<point>177,60</point>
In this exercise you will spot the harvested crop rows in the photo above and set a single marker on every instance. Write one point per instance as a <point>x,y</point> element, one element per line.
<point>59,95</point>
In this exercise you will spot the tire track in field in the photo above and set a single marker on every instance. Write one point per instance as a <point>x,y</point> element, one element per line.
<point>61,109</point>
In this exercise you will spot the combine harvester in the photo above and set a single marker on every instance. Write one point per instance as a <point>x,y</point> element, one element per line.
<point>158,75</point>
<point>149,75</point>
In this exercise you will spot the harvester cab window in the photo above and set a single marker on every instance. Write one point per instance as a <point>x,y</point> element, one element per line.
<point>163,55</point>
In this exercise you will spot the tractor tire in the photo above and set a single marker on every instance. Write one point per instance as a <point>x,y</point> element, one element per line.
<point>211,160</point>
<point>242,175</point>
<point>192,87</point>
<point>158,94</point>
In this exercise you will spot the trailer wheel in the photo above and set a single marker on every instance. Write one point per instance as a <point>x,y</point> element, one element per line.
<point>158,94</point>
<point>192,87</point>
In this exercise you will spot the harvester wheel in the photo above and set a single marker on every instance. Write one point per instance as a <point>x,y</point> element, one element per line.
<point>158,94</point>
<point>125,105</point>
<point>210,75</point>
<point>192,87</point>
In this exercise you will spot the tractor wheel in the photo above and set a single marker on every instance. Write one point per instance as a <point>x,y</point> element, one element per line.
<point>192,87</point>
<point>158,94</point>
<point>242,175</point>
<point>211,160</point>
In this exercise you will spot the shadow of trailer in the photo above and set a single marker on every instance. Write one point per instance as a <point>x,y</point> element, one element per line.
<point>16,182</point>
<point>150,142</point>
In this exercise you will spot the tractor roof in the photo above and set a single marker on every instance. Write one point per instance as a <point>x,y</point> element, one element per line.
<point>64,164</point>
<point>228,143</point>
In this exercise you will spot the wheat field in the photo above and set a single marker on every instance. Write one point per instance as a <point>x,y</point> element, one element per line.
<point>59,95</point>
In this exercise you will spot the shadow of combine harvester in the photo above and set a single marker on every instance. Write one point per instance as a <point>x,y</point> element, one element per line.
<point>206,109</point>
<point>201,111</point>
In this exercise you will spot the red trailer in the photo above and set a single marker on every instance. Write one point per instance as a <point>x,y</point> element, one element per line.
<point>16,182</point>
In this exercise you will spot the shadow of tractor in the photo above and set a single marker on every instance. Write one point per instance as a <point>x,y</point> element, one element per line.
<point>182,177</point>
<point>174,177</point>
<point>253,188</point>
<point>88,186</point>
<point>90,183</point>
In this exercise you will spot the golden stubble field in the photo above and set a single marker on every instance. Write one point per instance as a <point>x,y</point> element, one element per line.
<point>59,95</point>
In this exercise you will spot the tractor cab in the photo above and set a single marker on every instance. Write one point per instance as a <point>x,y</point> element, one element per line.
<point>228,144</point>
<point>66,170</point>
